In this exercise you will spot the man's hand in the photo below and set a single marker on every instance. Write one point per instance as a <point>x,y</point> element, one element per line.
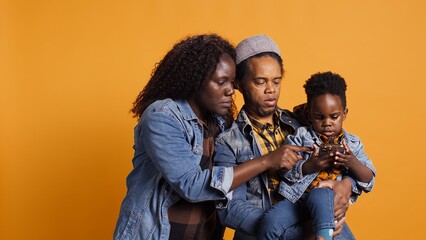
<point>326,184</point>
<point>342,193</point>
<point>339,226</point>
<point>286,157</point>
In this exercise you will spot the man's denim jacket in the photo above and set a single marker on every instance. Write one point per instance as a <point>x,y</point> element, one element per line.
<point>249,201</point>
<point>168,148</point>
<point>295,183</point>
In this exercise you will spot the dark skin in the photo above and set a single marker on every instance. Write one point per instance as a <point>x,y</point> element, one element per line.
<point>348,160</point>
<point>266,89</point>
<point>215,96</point>
<point>284,158</point>
<point>327,115</point>
<point>261,91</point>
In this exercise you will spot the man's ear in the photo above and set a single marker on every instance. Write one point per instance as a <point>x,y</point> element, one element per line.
<point>345,113</point>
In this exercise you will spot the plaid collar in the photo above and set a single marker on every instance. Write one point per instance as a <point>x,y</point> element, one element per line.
<point>260,127</point>
<point>335,140</point>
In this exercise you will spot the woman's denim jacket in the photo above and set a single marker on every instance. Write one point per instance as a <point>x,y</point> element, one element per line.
<point>168,148</point>
<point>295,183</point>
<point>249,201</point>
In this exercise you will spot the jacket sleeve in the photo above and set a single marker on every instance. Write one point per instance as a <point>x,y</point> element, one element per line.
<point>358,150</point>
<point>238,213</point>
<point>166,142</point>
<point>295,174</point>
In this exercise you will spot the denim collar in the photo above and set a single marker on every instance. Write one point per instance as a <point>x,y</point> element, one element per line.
<point>185,109</point>
<point>189,115</point>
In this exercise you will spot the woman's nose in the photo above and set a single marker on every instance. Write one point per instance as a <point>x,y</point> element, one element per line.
<point>229,90</point>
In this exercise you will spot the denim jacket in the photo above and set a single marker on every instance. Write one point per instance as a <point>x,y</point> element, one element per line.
<point>168,145</point>
<point>295,183</point>
<point>249,201</point>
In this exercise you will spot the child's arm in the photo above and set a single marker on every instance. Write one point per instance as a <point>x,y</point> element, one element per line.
<point>358,170</point>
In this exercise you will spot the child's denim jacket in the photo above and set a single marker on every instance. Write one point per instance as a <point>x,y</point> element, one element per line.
<point>295,183</point>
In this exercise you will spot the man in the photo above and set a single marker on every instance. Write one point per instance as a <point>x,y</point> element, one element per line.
<point>260,128</point>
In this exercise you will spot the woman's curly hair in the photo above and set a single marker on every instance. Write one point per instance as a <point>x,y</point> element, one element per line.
<point>325,82</point>
<point>181,73</point>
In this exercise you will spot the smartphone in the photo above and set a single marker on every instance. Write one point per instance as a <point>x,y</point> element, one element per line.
<point>327,148</point>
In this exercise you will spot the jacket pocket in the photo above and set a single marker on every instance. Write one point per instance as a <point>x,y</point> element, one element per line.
<point>244,154</point>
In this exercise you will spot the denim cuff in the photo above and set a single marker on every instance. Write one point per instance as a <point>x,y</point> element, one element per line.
<point>367,187</point>
<point>295,174</point>
<point>355,191</point>
<point>223,204</point>
<point>222,178</point>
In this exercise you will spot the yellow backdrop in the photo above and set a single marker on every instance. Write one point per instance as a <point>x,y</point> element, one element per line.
<point>69,71</point>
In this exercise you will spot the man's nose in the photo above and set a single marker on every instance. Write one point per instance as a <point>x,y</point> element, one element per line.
<point>270,87</point>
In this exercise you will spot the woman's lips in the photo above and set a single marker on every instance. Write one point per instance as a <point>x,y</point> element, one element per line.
<point>227,104</point>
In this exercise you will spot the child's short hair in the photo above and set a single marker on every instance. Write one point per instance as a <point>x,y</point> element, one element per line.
<point>325,82</point>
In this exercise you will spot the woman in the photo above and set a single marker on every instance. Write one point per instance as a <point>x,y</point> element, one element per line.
<point>184,106</point>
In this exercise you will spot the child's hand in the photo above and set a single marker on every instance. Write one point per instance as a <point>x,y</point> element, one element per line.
<point>347,159</point>
<point>350,162</point>
<point>318,163</point>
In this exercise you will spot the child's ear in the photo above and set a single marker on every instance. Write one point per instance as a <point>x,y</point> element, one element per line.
<point>345,113</point>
